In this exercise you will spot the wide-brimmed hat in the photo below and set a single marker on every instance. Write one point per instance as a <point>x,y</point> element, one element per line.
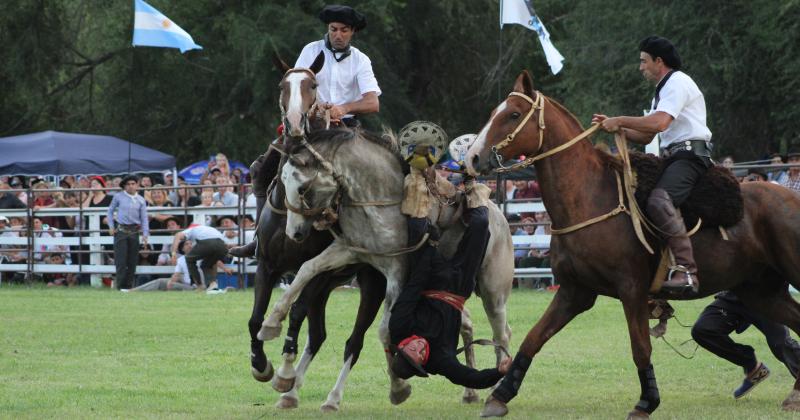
<point>128,178</point>
<point>343,14</point>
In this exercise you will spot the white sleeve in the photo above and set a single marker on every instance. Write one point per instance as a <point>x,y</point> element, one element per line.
<point>189,234</point>
<point>674,97</point>
<point>306,57</point>
<point>366,78</point>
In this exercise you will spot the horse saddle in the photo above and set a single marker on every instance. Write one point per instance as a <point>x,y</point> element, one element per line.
<point>716,198</point>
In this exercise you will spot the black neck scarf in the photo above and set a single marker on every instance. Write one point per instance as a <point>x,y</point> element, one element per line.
<point>660,86</point>
<point>344,53</point>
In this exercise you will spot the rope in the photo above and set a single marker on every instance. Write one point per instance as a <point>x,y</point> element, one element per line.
<point>619,209</point>
<point>483,342</point>
<point>678,351</point>
<point>529,161</point>
<point>394,253</point>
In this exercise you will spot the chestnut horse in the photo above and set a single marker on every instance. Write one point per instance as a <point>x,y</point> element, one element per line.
<point>757,263</point>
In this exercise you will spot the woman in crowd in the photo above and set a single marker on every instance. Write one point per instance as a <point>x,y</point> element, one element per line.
<point>158,198</point>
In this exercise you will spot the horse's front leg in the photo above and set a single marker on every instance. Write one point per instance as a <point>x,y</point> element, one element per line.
<point>634,303</point>
<point>569,301</point>
<point>260,366</point>
<point>333,257</point>
<point>395,272</point>
<point>291,399</point>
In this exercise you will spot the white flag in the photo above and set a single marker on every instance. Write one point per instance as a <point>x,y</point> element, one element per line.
<point>521,12</point>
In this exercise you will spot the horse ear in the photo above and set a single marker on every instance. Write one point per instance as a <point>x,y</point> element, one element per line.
<point>524,83</point>
<point>279,63</point>
<point>318,63</point>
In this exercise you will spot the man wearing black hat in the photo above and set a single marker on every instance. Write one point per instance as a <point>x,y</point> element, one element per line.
<point>426,319</point>
<point>346,86</point>
<point>677,118</point>
<point>131,218</point>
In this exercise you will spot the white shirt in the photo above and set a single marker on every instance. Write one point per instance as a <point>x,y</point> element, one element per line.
<point>681,98</point>
<point>201,233</point>
<point>340,82</point>
<point>183,268</point>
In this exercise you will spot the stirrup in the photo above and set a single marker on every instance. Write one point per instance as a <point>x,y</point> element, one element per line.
<point>690,287</point>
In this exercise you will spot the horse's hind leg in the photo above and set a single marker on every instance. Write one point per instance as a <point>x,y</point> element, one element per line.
<point>260,366</point>
<point>467,336</point>
<point>569,301</point>
<point>372,286</point>
<point>775,302</point>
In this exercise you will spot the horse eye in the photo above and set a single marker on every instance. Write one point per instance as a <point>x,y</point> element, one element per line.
<point>301,190</point>
<point>515,115</point>
<point>314,86</point>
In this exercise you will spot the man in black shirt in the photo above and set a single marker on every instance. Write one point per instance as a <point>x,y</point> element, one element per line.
<point>426,319</point>
<point>9,200</point>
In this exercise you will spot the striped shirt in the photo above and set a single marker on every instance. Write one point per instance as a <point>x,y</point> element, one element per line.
<point>131,210</point>
<point>792,184</point>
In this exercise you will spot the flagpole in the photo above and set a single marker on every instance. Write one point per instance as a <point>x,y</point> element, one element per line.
<point>500,53</point>
<point>131,103</point>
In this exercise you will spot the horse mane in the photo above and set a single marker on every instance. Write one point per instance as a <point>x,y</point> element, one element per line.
<point>333,137</point>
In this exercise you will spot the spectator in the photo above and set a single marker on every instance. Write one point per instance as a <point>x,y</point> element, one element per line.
<point>168,180</point>
<point>9,200</point>
<point>237,176</point>
<point>18,183</point>
<point>173,225</point>
<point>225,195</point>
<point>755,175</point>
<point>727,162</point>
<point>59,279</point>
<point>793,178</point>
<point>145,182</point>
<point>158,199</point>
<point>131,217</point>
<point>98,198</point>
<point>115,183</point>
<point>524,189</point>
<point>69,182</point>
<point>492,184</point>
<point>84,182</point>
<point>778,175</point>
<point>186,197</point>
<point>208,246</point>
<point>207,200</point>
<point>229,229</point>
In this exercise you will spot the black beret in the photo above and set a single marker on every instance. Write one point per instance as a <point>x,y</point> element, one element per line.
<point>343,14</point>
<point>127,178</point>
<point>661,47</point>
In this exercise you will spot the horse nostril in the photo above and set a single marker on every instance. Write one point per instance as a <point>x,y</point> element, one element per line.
<point>298,236</point>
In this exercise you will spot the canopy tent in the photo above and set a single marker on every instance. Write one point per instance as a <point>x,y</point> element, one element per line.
<point>192,173</point>
<point>55,153</point>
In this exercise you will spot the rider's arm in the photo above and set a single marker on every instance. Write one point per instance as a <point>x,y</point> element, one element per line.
<point>637,129</point>
<point>466,376</point>
<point>367,104</point>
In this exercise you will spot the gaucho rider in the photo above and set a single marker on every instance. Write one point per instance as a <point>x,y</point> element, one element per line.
<point>346,87</point>
<point>678,117</point>
<point>426,318</point>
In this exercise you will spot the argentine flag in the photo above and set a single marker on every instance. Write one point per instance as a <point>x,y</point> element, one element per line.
<point>153,29</point>
<point>521,12</point>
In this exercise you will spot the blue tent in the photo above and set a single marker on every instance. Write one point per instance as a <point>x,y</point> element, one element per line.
<point>192,173</point>
<point>55,153</point>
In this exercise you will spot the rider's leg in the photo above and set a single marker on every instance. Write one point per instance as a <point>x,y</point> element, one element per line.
<point>670,192</point>
<point>262,171</point>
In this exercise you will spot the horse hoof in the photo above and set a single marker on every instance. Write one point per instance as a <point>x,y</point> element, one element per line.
<point>398,397</point>
<point>637,415</point>
<point>494,408</point>
<point>269,332</point>
<point>329,407</point>
<point>264,376</point>
<point>282,384</point>
<point>792,402</point>
<point>286,402</point>
<point>470,397</point>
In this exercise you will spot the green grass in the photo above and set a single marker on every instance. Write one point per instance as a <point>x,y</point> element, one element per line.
<point>84,353</point>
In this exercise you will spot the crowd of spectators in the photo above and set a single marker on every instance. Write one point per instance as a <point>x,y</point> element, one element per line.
<point>219,187</point>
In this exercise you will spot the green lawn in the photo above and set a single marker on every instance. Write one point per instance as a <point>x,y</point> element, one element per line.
<point>85,353</point>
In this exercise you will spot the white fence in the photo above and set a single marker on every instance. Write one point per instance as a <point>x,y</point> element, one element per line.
<point>93,238</point>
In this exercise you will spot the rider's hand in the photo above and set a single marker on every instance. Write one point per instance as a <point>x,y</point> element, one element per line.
<point>505,364</point>
<point>612,125</point>
<point>598,118</point>
<point>337,112</point>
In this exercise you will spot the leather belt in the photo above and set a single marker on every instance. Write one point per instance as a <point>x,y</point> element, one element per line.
<point>128,228</point>
<point>698,147</point>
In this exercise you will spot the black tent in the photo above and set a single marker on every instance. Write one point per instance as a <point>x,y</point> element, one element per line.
<point>55,153</point>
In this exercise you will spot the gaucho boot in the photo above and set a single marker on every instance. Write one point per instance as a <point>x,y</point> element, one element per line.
<point>682,279</point>
<point>262,171</point>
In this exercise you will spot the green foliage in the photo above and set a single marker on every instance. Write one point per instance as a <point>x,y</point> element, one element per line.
<point>68,65</point>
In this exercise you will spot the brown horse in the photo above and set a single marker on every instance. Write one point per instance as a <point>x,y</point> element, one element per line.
<point>578,183</point>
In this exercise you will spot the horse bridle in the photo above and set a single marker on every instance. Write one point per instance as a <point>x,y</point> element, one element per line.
<point>304,120</point>
<point>535,104</point>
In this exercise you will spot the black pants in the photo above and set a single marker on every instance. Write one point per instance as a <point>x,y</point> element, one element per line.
<point>209,251</point>
<point>722,317</point>
<point>683,170</point>
<point>126,256</point>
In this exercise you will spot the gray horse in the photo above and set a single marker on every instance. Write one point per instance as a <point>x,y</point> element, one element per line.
<point>357,178</point>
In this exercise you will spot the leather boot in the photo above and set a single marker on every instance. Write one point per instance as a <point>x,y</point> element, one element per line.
<point>249,250</point>
<point>682,280</point>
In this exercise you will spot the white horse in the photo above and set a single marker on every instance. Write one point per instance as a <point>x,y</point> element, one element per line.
<point>358,178</point>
